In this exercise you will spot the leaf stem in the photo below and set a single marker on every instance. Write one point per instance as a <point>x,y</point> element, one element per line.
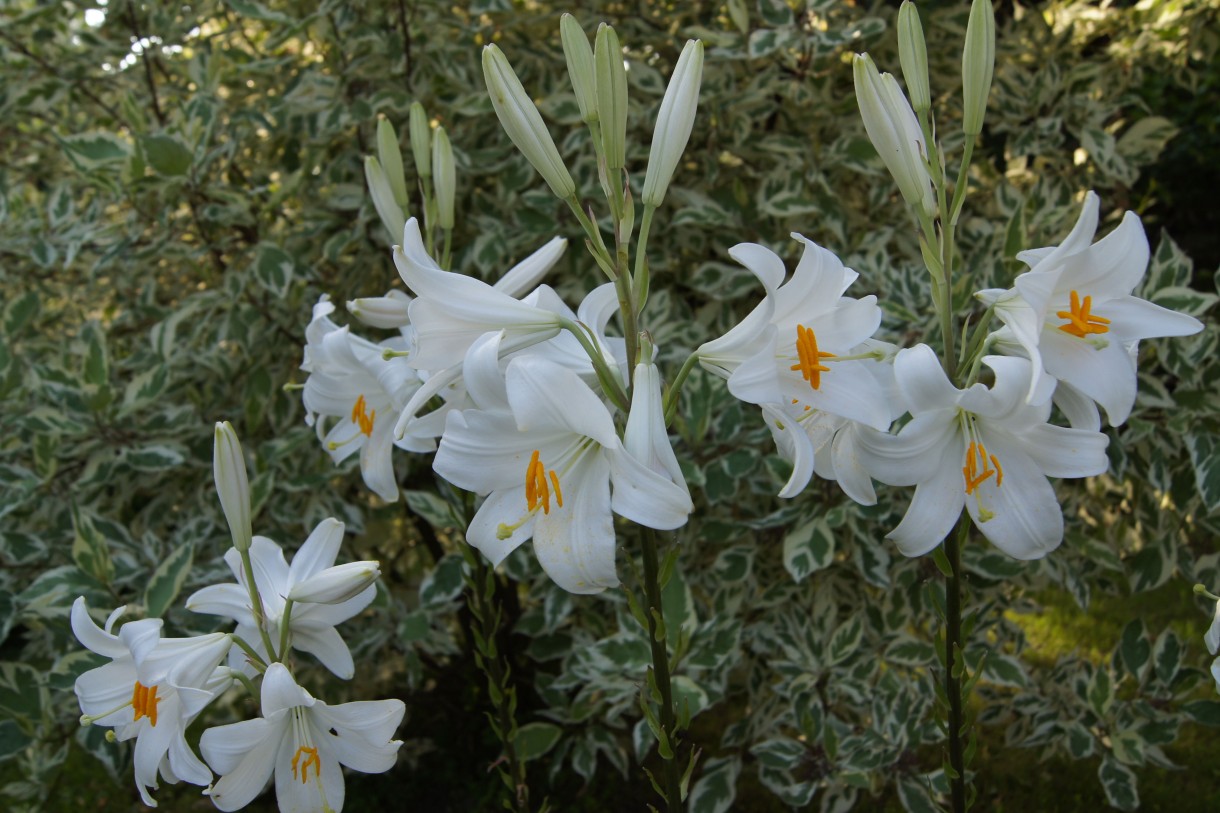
<point>660,668</point>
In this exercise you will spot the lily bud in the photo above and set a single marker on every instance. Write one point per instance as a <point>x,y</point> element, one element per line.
<point>445,177</point>
<point>611,95</point>
<point>335,585</point>
<point>383,198</point>
<point>391,161</point>
<point>674,122</point>
<point>894,131</point>
<point>388,312</point>
<point>913,55</point>
<point>421,140</point>
<point>978,65</point>
<point>523,123</point>
<point>229,471</point>
<point>579,56</point>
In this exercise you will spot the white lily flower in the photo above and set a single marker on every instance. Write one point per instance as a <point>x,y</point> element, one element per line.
<point>152,689</point>
<point>353,382</point>
<point>452,310</point>
<point>337,584</point>
<point>1072,314</point>
<point>311,626</point>
<point>388,312</point>
<point>382,192</point>
<point>303,741</point>
<point>674,122</point>
<point>804,345</point>
<point>892,127</point>
<point>984,448</point>
<point>554,470</point>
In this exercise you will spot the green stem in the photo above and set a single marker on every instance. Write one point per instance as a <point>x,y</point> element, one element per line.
<point>245,681</point>
<point>284,624</point>
<point>641,277</point>
<point>675,389</point>
<point>605,376</point>
<point>953,670</point>
<point>256,603</point>
<point>251,653</point>
<point>672,780</point>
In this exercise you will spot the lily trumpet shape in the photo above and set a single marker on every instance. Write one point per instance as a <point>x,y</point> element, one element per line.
<point>555,470</point>
<point>311,626</point>
<point>1072,314</point>
<point>152,689</point>
<point>982,448</point>
<point>303,741</point>
<point>804,346</point>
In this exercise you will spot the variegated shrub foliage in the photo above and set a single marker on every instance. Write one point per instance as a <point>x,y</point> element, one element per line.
<point>180,183</point>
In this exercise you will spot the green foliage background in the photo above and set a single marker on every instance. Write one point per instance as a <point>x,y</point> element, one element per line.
<point>171,209</point>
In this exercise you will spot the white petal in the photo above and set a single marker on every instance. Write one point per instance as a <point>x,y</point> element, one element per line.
<point>929,442</point>
<point>1132,319</point>
<point>1112,266</point>
<point>376,462</point>
<point>186,765</point>
<point>108,688</point>
<point>320,791</point>
<point>644,496</point>
<point>762,262</point>
<point>849,468</point>
<point>229,600</point>
<point>1212,636</point>
<point>1061,452</point>
<point>151,747</point>
<point>935,507</point>
<point>318,552</point>
<point>525,275</point>
<point>576,544</point>
<point>794,446</point>
<point>482,451</point>
<point>1106,374</point>
<point>1020,516</point>
<point>363,730</point>
<point>91,636</point>
<point>482,372</point>
<point>505,507</point>
<point>923,382</point>
<point>1079,409</point>
<point>280,692</point>
<point>545,396</point>
<point>244,755</point>
<point>325,644</point>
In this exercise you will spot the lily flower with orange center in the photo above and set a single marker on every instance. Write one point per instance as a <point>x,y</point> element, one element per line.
<point>303,741</point>
<point>805,342</point>
<point>1073,315</point>
<point>543,447</point>
<point>152,689</point>
<point>982,448</point>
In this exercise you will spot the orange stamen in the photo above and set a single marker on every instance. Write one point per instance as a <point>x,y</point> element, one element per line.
<point>976,470</point>
<point>362,417</point>
<point>310,759</point>
<point>144,701</point>
<point>809,357</point>
<point>539,484</point>
<point>1080,322</point>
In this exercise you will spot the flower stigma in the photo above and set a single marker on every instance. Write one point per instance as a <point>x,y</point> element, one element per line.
<point>362,417</point>
<point>810,358</point>
<point>1080,322</point>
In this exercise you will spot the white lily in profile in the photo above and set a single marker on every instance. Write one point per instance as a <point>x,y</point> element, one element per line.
<point>1072,314</point>
<point>984,448</point>
<point>362,392</point>
<point>555,470</point>
<point>311,626</point>
<point>804,344</point>
<point>451,310</point>
<point>303,741</point>
<point>152,689</point>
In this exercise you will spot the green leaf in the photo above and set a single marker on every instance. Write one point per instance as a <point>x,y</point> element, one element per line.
<point>89,548</point>
<point>1205,458</point>
<point>808,548</point>
<point>913,792</point>
<point>1185,300</point>
<point>154,458</point>
<point>1080,741</point>
<point>717,786</point>
<point>21,691</point>
<point>1205,712</point>
<point>96,366</point>
<point>1134,649</point>
<point>167,580</point>
<point>775,12</point>
<point>1119,784</point>
<point>444,583</point>
<point>846,640</point>
<point>1167,655</point>
<point>19,312</point>
<point>429,505</point>
<point>12,740</point>
<point>1101,691</point>
<point>93,149</point>
<point>535,739</point>
<point>273,269</point>
<point>167,155</point>
<point>1004,670</point>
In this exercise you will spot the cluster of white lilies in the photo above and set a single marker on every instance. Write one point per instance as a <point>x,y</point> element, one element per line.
<point>559,426</point>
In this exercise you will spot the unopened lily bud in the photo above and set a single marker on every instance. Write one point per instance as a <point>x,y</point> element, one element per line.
<point>444,176</point>
<point>894,131</point>
<point>674,122</point>
<point>335,585</point>
<point>388,312</point>
<point>978,65</point>
<point>383,198</point>
<point>913,54</point>
<point>421,140</point>
<point>523,123</point>
<point>611,95</point>
<point>229,471</point>
<point>391,161</point>
<point>579,56</point>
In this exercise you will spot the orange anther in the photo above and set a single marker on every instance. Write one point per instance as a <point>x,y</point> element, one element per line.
<point>1080,322</point>
<point>362,417</point>
<point>809,357</point>
<point>976,470</point>
<point>311,758</point>
<point>144,701</point>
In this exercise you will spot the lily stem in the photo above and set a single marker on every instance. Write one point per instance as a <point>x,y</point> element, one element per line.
<point>953,670</point>
<point>256,604</point>
<point>660,668</point>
